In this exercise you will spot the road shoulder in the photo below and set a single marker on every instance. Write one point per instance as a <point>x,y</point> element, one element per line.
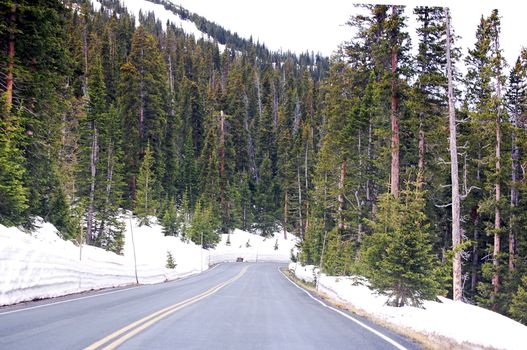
<point>426,341</point>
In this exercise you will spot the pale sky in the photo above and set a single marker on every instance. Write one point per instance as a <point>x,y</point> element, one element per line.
<point>319,25</point>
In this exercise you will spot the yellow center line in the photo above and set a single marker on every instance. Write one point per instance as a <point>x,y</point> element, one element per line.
<point>151,319</point>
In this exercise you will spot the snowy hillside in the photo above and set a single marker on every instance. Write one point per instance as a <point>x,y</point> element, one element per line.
<point>468,325</point>
<point>42,265</point>
<point>134,7</point>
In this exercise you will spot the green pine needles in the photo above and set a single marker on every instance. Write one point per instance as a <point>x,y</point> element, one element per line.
<point>397,258</point>
<point>13,193</point>
<point>145,205</point>
<point>205,226</point>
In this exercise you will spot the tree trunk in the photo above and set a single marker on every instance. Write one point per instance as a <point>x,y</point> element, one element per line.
<point>369,155</point>
<point>93,173</point>
<point>475,255</point>
<point>10,60</point>
<point>171,83</point>
<point>306,175</point>
<point>286,209</point>
<point>275,107</point>
<point>109,173</point>
<point>223,202</point>
<point>342,179</point>
<point>456,205</point>
<point>394,173</point>
<point>142,98</point>
<point>85,56</point>
<point>497,211</point>
<point>514,197</point>
<point>421,161</point>
<point>258,93</point>
<point>300,203</point>
<point>170,74</point>
<point>250,143</point>
<point>147,175</point>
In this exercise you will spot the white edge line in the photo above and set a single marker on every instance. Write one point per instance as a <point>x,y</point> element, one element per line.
<point>96,295</point>
<point>66,301</point>
<point>377,333</point>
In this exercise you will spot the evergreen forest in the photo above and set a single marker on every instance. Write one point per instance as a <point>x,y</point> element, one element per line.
<point>385,161</point>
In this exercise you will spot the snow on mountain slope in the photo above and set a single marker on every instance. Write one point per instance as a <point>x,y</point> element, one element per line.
<point>163,15</point>
<point>42,265</point>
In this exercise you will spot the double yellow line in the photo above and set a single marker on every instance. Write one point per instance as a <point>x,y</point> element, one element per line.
<point>118,337</point>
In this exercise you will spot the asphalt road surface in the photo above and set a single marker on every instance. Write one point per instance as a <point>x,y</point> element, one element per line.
<point>233,306</point>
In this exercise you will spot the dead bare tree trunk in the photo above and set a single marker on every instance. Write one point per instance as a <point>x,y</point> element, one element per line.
<point>514,197</point>
<point>475,256</point>
<point>456,205</point>
<point>369,155</point>
<point>394,173</point>
<point>93,173</point>
<point>306,175</point>
<point>85,56</point>
<point>340,198</point>
<point>109,172</point>
<point>300,203</point>
<point>497,185</point>
<point>286,210</point>
<point>223,203</point>
<point>421,161</point>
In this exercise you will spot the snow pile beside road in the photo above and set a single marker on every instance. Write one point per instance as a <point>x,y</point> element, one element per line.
<point>43,265</point>
<point>305,273</point>
<point>445,319</point>
<point>253,248</point>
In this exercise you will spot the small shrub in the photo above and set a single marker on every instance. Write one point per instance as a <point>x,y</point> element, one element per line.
<point>171,263</point>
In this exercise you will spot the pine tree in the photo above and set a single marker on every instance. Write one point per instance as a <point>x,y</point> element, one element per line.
<point>398,256</point>
<point>205,225</point>
<point>34,93</point>
<point>485,79</point>
<point>264,200</point>
<point>13,192</point>
<point>143,104</point>
<point>171,220</point>
<point>457,288</point>
<point>146,201</point>
<point>171,263</point>
<point>518,307</point>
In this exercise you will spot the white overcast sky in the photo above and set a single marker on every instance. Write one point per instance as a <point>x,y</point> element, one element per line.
<point>319,25</point>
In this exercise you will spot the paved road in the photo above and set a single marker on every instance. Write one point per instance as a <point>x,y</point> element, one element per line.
<point>234,306</point>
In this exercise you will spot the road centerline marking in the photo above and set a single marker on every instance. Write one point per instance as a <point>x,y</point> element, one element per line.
<point>121,335</point>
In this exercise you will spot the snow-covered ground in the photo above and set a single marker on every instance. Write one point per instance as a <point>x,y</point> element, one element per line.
<point>42,265</point>
<point>163,15</point>
<point>463,323</point>
<point>253,248</point>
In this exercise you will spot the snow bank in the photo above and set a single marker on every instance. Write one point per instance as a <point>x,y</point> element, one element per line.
<point>461,322</point>
<point>42,265</point>
<point>306,273</point>
<point>254,248</point>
